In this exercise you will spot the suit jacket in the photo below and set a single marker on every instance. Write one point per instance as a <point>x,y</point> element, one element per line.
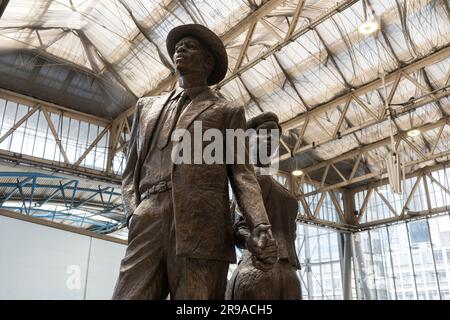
<point>282,210</point>
<point>203,228</point>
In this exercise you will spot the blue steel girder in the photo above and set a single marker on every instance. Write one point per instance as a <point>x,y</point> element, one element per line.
<point>57,215</point>
<point>29,185</point>
<point>92,196</point>
<point>68,187</point>
<point>19,187</point>
<point>27,180</point>
<point>16,187</point>
<point>110,196</point>
<point>32,192</point>
<point>103,212</point>
<point>61,188</point>
<point>73,193</point>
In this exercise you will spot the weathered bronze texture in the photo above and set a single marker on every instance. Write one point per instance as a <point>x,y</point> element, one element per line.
<point>181,238</point>
<point>282,281</point>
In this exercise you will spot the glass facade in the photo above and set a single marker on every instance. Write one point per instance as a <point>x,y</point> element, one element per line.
<point>321,205</point>
<point>408,260</point>
<point>34,137</point>
<point>419,194</point>
<point>319,254</point>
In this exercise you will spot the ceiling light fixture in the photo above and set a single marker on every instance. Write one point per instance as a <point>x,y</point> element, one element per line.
<point>370,25</point>
<point>413,133</point>
<point>296,172</point>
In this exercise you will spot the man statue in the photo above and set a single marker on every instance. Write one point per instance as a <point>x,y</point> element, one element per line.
<point>180,233</point>
<point>282,281</point>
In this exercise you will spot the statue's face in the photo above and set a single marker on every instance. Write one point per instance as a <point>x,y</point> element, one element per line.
<point>268,126</point>
<point>190,56</point>
<point>265,137</point>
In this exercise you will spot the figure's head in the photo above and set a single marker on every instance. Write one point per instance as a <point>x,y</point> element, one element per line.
<point>264,124</point>
<point>195,48</point>
<point>192,56</point>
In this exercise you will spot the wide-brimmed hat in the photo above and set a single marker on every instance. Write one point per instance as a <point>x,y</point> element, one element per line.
<point>209,39</point>
<point>261,118</point>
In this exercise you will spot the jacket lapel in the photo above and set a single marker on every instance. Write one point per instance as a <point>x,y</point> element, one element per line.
<point>200,103</point>
<point>149,118</point>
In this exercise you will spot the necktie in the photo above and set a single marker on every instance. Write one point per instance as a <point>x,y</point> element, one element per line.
<point>171,120</point>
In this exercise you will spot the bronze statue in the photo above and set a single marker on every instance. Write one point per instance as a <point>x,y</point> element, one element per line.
<point>180,232</point>
<point>282,281</point>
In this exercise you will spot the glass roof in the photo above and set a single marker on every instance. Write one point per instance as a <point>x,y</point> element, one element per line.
<point>117,50</point>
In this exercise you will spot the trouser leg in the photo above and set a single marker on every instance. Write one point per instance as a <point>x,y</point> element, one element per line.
<point>151,268</point>
<point>194,279</point>
<point>143,273</point>
<point>198,279</point>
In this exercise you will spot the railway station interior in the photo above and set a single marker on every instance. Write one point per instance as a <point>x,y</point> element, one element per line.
<point>361,90</point>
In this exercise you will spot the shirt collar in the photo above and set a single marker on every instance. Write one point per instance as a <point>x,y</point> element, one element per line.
<point>191,92</point>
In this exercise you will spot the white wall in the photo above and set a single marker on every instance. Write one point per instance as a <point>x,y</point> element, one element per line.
<point>40,262</point>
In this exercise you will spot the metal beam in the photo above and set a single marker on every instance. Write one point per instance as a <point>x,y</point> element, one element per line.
<point>46,107</point>
<point>243,25</point>
<point>18,216</point>
<point>410,196</point>
<point>59,167</point>
<point>300,136</point>
<point>93,144</point>
<point>291,81</point>
<point>341,119</point>
<point>327,224</point>
<point>18,185</point>
<point>270,29</point>
<point>406,217</point>
<point>55,135</point>
<point>337,205</point>
<point>441,129</point>
<point>51,196</point>
<point>384,179</point>
<point>245,45</point>
<point>433,180</point>
<point>3,4</point>
<point>377,175</point>
<point>92,196</point>
<point>386,202</point>
<point>52,107</point>
<point>319,204</point>
<point>371,86</point>
<point>420,102</point>
<point>349,208</point>
<point>91,48</point>
<point>295,18</point>
<point>363,208</point>
<point>427,192</point>
<point>374,145</point>
<point>146,35</point>
<point>277,47</point>
<point>19,123</point>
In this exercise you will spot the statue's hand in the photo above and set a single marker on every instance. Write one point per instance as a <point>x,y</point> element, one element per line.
<point>263,247</point>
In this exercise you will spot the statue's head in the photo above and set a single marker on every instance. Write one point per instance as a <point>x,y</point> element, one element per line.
<point>267,128</point>
<point>192,56</point>
<point>195,48</point>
